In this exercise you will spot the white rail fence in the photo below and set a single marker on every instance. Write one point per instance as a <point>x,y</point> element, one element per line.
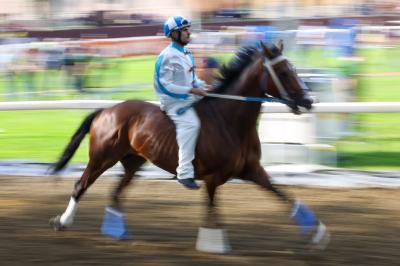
<point>344,107</point>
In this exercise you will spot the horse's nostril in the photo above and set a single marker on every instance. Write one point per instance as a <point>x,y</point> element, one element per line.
<point>307,103</point>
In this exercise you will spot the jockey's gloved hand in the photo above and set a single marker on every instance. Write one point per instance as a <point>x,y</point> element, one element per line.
<point>208,88</point>
<point>198,91</point>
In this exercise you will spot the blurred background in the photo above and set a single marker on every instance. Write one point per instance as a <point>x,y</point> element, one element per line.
<point>345,51</point>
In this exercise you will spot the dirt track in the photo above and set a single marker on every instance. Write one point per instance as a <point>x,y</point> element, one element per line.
<point>364,223</point>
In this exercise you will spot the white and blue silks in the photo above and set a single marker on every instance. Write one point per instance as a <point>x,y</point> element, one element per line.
<point>174,77</point>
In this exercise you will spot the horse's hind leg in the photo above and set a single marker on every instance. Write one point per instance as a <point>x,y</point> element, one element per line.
<point>93,170</point>
<point>131,164</point>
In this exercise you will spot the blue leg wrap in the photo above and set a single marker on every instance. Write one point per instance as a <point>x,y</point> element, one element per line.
<point>304,217</point>
<point>114,224</point>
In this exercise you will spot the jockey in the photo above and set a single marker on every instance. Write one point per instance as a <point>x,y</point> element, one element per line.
<point>177,86</point>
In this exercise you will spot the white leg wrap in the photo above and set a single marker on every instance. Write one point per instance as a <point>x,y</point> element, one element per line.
<point>213,240</point>
<point>321,238</point>
<point>67,218</point>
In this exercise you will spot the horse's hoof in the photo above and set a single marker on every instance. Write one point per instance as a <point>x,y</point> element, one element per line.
<point>320,238</point>
<point>56,224</point>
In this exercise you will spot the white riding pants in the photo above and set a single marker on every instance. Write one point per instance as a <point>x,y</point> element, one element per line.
<point>187,131</point>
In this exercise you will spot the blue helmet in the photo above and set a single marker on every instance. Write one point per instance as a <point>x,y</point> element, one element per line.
<point>175,23</point>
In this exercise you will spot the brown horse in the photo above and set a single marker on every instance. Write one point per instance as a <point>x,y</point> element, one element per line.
<point>134,132</point>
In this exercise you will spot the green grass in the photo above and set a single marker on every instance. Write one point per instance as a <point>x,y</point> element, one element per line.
<point>39,135</point>
<point>42,135</point>
<point>375,146</point>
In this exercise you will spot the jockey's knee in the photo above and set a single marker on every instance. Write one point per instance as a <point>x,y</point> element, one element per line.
<point>192,124</point>
<point>196,124</point>
<point>191,127</point>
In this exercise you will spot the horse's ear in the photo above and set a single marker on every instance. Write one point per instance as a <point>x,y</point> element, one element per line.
<point>280,45</point>
<point>266,50</point>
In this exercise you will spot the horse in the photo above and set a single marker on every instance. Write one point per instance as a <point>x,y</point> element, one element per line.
<point>133,132</point>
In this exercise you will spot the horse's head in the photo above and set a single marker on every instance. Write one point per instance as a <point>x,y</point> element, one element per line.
<point>283,81</point>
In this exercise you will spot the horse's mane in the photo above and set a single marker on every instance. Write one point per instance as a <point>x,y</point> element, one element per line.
<point>229,72</point>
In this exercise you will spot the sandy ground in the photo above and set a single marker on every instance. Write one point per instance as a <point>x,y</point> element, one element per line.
<point>164,219</point>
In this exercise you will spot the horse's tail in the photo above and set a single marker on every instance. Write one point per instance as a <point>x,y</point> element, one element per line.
<point>74,142</point>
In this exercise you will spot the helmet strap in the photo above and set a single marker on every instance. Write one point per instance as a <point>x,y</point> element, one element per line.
<point>178,39</point>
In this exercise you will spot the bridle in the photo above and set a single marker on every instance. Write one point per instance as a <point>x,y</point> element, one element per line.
<point>269,65</point>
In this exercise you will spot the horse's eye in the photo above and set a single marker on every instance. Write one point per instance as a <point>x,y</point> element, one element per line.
<point>283,74</point>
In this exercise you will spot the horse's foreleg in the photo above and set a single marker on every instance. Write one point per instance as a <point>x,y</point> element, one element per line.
<point>300,213</point>
<point>92,172</point>
<point>262,178</point>
<point>131,164</point>
<point>212,237</point>
<point>212,216</point>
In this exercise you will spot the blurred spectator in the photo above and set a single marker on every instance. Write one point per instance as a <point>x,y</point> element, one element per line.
<point>99,68</point>
<point>28,66</point>
<point>76,61</point>
<point>343,37</point>
<point>342,41</point>
<point>255,34</point>
<point>7,72</point>
<point>208,69</point>
<point>53,59</point>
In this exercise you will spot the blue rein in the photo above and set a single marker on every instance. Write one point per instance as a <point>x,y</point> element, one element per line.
<point>266,99</point>
<point>246,99</point>
<point>182,110</point>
